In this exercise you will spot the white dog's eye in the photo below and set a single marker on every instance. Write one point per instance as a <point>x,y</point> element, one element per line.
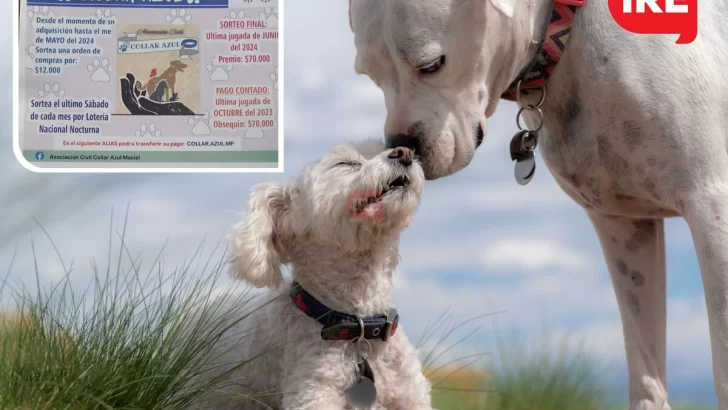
<point>352,164</point>
<point>433,67</point>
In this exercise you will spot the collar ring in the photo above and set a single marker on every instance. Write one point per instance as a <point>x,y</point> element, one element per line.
<point>361,328</point>
<point>530,108</point>
<point>360,356</point>
<point>540,102</point>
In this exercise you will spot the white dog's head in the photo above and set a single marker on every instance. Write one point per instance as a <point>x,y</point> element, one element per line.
<point>356,197</point>
<point>442,65</point>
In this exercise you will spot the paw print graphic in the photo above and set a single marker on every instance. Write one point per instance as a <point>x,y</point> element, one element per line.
<point>29,56</point>
<point>99,70</point>
<point>237,14</point>
<point>105,14</point>
<point>271,11</point>
<point>274,77</point>
<point>148,131</point>
<point>270,15</point>
<point>178,16</point>
<point>51,90</point>
<point>219,72</point>
<point>255,133</point>
<point>200,124</point>
<point>38,11</point>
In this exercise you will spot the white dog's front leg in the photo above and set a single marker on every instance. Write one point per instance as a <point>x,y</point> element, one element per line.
<point>707,216</point>
<point>634,250</point>
<point>400,370</point>
<point>309,388</point>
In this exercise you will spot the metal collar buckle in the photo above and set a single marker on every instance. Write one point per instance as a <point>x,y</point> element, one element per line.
<point>387,329</point>
<point>391,314</point>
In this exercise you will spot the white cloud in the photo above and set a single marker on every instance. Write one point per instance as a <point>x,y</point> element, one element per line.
<point>533,254</point>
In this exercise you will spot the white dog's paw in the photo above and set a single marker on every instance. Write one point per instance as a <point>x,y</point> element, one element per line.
<point>255,133</point>
<point>51,90</point>
<point>106,14</point>
<point>219,72</point>
<point>274,77</point>
<point>99,70</point>
<point>200,125</point>
<point>38,11</point>
<point>148,131</point>
<point>178,16</point>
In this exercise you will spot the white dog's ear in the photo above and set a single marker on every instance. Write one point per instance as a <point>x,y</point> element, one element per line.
<point>351,25</point>
<point>505,7</point>
<point>539,23</point>
<point>259,242</point>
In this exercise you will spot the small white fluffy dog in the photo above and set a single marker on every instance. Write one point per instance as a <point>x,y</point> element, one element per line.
<point>338,227</point>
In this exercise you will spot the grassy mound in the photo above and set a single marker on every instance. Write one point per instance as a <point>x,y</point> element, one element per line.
<point>125,342</point>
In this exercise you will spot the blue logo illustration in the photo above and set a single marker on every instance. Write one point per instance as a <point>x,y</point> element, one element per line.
<point>39,156</point>
<point>189,43</point>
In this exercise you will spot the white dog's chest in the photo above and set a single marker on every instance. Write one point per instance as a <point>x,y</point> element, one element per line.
<point>605,169</point>
<point>620,139</point>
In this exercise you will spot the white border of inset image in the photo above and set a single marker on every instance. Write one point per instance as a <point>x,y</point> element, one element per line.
<point>27,165</point>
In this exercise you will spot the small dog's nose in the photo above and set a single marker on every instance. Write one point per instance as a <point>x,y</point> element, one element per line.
<point>403,155</point>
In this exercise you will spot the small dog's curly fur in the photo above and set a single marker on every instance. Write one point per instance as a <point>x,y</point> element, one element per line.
<point>343,252</point>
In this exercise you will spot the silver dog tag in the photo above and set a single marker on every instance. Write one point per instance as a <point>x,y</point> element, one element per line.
<point>521,147</point>
<point>363,393</point>
<point>525,168</point>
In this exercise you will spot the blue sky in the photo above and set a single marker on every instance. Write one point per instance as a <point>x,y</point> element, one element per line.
<point>480,243</point>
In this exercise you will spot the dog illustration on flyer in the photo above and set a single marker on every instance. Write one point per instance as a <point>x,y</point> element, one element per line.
<point>160,75</point>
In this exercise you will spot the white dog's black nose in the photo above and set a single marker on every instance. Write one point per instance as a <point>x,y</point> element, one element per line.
<point>403,140</point>
<point>403,155</point>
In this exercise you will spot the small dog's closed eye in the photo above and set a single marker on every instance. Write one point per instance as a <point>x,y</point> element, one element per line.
<point>342,258</point>
<point>328,204</point>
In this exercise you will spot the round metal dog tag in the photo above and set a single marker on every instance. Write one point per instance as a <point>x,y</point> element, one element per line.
<point>525,168</point>
<point>362,394</point>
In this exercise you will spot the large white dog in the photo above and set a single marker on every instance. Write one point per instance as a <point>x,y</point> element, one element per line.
<point>635,129</point>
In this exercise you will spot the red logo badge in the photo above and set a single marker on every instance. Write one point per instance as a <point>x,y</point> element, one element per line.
<point>658,17</point>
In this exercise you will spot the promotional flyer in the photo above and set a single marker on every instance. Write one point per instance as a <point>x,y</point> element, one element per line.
<point>189,84</point>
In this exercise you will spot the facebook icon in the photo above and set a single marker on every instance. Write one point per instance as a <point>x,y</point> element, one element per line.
<point>39,156</point>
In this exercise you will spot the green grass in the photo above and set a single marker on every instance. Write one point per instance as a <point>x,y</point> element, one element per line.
<point>541,378</point>
<point>547,377</point>
<point>119,344</point>
<point>537,381</point>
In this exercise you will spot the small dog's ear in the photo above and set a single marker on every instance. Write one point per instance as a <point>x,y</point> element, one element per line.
<point>259,241</point>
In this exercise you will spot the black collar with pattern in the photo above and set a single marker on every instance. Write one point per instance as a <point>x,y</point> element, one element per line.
<point>343,326</point>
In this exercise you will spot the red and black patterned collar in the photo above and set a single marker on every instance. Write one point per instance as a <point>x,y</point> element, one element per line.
<point>557,35</point>
<point>343,326</point>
